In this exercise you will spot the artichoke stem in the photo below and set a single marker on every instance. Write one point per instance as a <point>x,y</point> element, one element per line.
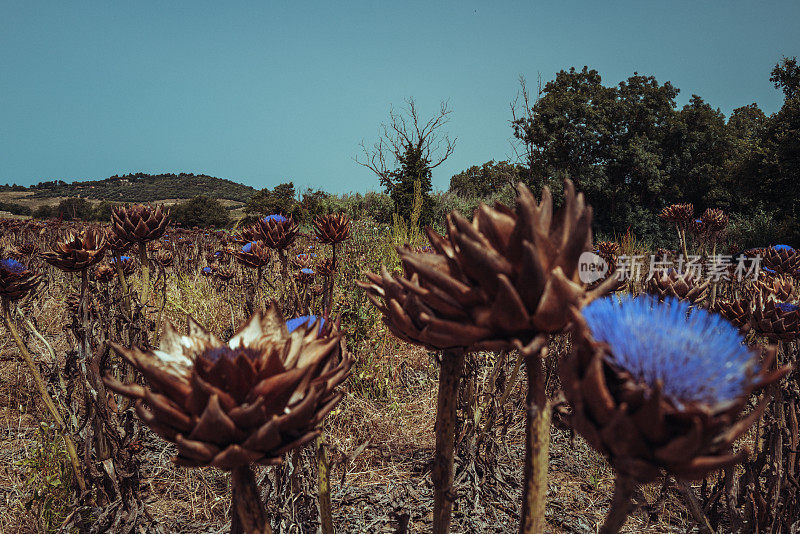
<point>259,296</point>
<point>145,275</point>
<point>126,296</point>
<point>683,244</point>
<point>621,504</point>
<point>442,471</point>
<point>324,487</point>
<point>27,357</point>
<point>537,448</point>
<point>247,512</point>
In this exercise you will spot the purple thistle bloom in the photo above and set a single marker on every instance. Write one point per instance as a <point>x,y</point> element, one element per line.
<point>783,247</point>
<point>206,269</point>
<point>12,266</point>
<point>306,270</point>
<point>123,259</point>
<point>248,247</point>
<point>307,320</point>
<point>787,307</point>
<point>697,356</point>
<point>275,217</point>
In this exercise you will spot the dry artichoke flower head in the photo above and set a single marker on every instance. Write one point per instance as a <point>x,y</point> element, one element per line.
<point>139,223</point>
<point>16,280</point>
<point>247,401</point>
<point>494,283</point>
<point>659,386</point>
<point>332,228</point>
<point>78,251</point>
<point>277,231</point>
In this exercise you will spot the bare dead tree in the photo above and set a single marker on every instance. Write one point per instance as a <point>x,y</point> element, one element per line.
<point>406,132</point>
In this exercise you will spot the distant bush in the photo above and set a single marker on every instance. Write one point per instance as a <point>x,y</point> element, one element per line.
<point>15,209</point>
<point>45,211</point>
<point>74,208</point>
<point>201,211</point>
<point>445,202</point>
<point>760,229</point>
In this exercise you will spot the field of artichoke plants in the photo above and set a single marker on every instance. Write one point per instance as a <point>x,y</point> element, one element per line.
<point>346,377</point>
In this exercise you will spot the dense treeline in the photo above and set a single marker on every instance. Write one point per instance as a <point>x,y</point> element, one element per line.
<point>632,152</point>
<point>141,187</point>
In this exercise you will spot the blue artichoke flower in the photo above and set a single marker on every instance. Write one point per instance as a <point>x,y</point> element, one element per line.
<point>12,266</point>
<point>662,387</point>
<point>305,320</point>
<point>698,356</point>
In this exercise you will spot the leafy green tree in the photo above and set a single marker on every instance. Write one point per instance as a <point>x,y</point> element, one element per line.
<point>281,199</point>
<point>407,151</point>
<point>698,147</point>
<point>201,211</point>
<point>779,178</point>
<point>746,130</point>
<point>786,76</point>
<point>608,140</point>
<point>74,208</point>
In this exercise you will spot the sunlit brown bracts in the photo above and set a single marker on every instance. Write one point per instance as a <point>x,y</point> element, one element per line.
<point>252,254</point>
<point>128,264</point>
<point>277,231</point>
<point>104,273</point>
<point>250,400</point>
<point>680,214</point>
<point>778,321</point>
<point>683,286</point>
<point>773,287</point>
<point>671,398</point>
<point>115,243</point>
<point>714,220</point>
<point>738,312</point>
<point>607,249</point>
<point>301,261</point>
<point>492,283</point>
<point>139,223</point>
<point>332,228</point>
<point>16,280</point>
<point>78,251</point>
<point>782,259</point>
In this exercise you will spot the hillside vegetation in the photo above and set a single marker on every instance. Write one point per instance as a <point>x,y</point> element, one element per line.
<point>141,187</point>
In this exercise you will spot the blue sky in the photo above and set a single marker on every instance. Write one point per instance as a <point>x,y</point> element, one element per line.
<point>264,92</point>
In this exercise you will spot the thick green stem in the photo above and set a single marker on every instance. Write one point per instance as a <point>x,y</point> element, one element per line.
<point>537,448</point>
<point>324,487</point>
<point>621,505</point>
<point>442,471</point>
<point>27,357</point>
<point>248,515</point>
